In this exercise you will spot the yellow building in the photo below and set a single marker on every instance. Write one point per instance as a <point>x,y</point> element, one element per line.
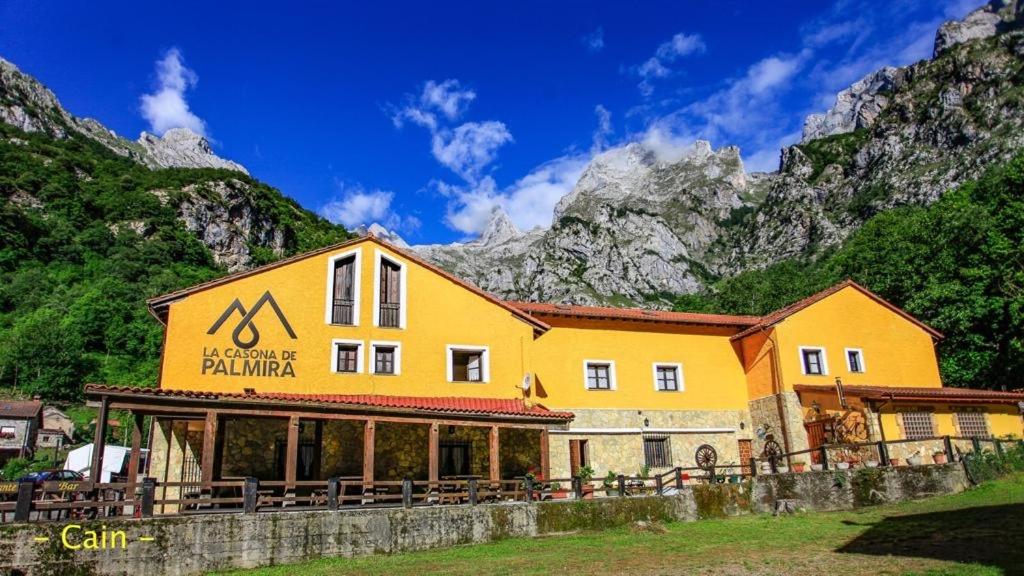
<point>362,361</point>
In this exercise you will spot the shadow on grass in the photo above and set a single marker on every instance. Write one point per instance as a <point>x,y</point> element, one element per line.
<point>990,535</point>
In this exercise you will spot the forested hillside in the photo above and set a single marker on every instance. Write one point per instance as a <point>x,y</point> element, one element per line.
<point>957,264</point>
<point>87,235</point>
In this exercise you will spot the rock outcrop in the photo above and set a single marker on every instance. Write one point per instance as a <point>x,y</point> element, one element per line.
<point>856,107</point>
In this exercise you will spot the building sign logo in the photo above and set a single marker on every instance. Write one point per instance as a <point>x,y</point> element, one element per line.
<point>247,321</point>
<point>246,359</point>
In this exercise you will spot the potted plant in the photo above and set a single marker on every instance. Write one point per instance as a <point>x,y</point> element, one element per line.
<point>798,465</point>
<point>939,457</point>
<point>558,492</point>
<point>895,462</point>
<point>586,474</point>
<point>842,465</point>
<point>871,463</point>
<point>611,481</point>
<point>816,467</point>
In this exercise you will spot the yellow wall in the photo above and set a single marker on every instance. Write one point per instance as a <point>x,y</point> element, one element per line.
<point>1003,420</point>
<point>439,312</point>
<point>713,376</point>
<point>896,352</point>
<point>759,364</point>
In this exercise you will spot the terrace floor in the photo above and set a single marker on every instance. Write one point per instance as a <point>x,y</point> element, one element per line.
<point>976,532</point>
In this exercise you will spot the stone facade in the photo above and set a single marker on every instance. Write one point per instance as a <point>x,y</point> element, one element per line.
<point>767,420</point>
<point>250,446</point>
<point>198,544</point>
<point>615,438</point>
<point>23,438</point>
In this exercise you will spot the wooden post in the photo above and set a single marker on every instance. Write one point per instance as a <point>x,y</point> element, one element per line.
<point>133,458</point>
<point>577,487</point>
<point>657,484</point>
<point>824,458</point>
<point>99,442</point>
<point>407,492</point>
<point>621,481</point>
<point>679,478</point>
<point>250,495</point>
<point>209,445</point>
<point>948,445</point>
<point>545,456</point>
<point>148,495</point>
<point>753,467</point>
<point>333,489</point>
<point>473,495</point>
<point>23,507</point>
<point>883,453</point>
<point>493,447</point>
<point>291,453</point>
<point>318,442</point>
<point>433,451</point>
<point>369,432</point>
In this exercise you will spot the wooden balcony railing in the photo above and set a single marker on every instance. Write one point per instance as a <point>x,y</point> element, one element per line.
<point>341,312</point>
<point>390,315</point>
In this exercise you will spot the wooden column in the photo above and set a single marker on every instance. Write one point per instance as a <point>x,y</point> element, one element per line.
<point>493,453</point>
<point>369,432</point>
<point>433,454</point>
<point>133,458</point>
<point>545,457</point>
<point>291,453</point>
<point>99,442</point>
<point>209,445</point>
<point>318,449</point>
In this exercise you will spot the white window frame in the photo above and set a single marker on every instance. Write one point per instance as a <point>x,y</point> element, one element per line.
<point>860,353</point>
<point>824,360</point>
<point>397,360</point>
<point>403,269</point>
<point>360,354</point>
<point>485,360</point>
<point>679,375</point>
<point>612,384</point>
<point>356,285</point>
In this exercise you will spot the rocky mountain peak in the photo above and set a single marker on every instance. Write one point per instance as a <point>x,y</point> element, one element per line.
<point>383,233</point>
<point>28,105</point>
<point>856,107</point>
<point>500,228</point>
<point>183,148</point>
<point>984,22</point>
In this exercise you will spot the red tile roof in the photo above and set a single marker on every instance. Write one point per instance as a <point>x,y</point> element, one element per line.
<point>969,395</point>
<point>26,409</point>
<point>159,304</point>
<point>634,314</point>
<point>783,313</point>
<point>444,405</point>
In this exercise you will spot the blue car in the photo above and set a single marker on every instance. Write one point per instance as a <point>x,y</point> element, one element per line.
<point>38,478</point>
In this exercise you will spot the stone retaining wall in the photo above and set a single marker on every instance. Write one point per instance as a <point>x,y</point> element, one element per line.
<point>185,545</point>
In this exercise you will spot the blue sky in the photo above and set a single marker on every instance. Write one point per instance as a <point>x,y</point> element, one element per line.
<point>424,116</point>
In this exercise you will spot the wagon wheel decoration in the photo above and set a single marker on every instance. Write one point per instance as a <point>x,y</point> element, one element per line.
<point>773,452</point>
<point>706,457</point>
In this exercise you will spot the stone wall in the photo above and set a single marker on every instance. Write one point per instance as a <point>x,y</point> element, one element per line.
<point>188,545</point>
<point>250,446</point>
<point>765,414</point>
<point>623,453</point>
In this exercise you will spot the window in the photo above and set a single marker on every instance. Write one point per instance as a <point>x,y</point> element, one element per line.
<point>387,358</point>
<point>347,357</point>
<point>812,361</point>
<point>918,425</point>
<point>854,360</point>
<point>599,374</point>
<point>343,301</point>
<point>343,289</point>
<point>7,432</point>
<point>657,453</point>
<point>390,293</point>
<point>468,363</point>
<point>668,377</point>
<point>579,456</point>
<point>972,424</point>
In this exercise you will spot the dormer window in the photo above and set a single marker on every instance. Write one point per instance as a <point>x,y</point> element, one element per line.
<point>343,289</point>
<point>389,297</point>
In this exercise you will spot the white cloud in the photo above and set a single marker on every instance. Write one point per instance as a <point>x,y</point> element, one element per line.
<point>360,207</point>
<point>599,140</point>
<point>681,45</point>
<point>530,202</point>
<point>667,52</point>
<point>470,147</point>
<point>594,41</point>
<point>446,97</point>
<point>166,107</point>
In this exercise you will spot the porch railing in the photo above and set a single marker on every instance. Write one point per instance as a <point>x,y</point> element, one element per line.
<point>389,315</point>
<point>25,501</point>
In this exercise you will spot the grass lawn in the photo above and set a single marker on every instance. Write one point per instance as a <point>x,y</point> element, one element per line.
<point>977,532</point>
